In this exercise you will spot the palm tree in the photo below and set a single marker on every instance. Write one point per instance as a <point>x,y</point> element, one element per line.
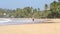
<point>59,0</point>
<point>46,7</point>
<point>53,5</point>
<point>38,9</point>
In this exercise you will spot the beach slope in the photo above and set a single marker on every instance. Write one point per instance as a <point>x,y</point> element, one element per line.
<point>42,28</point>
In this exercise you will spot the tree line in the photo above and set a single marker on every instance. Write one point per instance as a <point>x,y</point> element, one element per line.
<point>52,11</point>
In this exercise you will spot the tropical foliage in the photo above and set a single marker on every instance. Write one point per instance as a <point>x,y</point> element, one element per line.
<point>52,11</point>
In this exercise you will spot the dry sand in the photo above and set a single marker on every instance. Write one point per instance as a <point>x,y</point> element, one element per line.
<point>43,28</point>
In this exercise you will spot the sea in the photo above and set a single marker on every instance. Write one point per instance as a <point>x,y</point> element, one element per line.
<point>16,21</point>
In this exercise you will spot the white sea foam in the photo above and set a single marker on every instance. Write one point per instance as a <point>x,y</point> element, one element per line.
<point>4,20</point>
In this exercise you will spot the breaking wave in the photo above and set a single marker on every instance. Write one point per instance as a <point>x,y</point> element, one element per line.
<point>4,20</point>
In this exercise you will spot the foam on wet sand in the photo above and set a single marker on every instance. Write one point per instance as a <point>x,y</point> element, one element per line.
<point>20,21</point>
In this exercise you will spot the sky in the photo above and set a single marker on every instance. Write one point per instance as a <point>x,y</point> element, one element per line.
<point>13,4</point>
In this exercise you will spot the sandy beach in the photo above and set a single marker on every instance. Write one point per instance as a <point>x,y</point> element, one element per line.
<point>42,28</point>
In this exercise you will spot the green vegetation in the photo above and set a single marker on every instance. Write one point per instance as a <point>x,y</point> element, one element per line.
<point>50,12</point>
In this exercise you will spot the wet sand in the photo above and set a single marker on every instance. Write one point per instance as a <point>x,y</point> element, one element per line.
<point>42,28</point>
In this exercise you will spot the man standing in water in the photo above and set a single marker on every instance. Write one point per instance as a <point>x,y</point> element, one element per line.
<point>33,19</point>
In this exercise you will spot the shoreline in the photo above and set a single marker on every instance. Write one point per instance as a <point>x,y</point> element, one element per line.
<point>42,28</point>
